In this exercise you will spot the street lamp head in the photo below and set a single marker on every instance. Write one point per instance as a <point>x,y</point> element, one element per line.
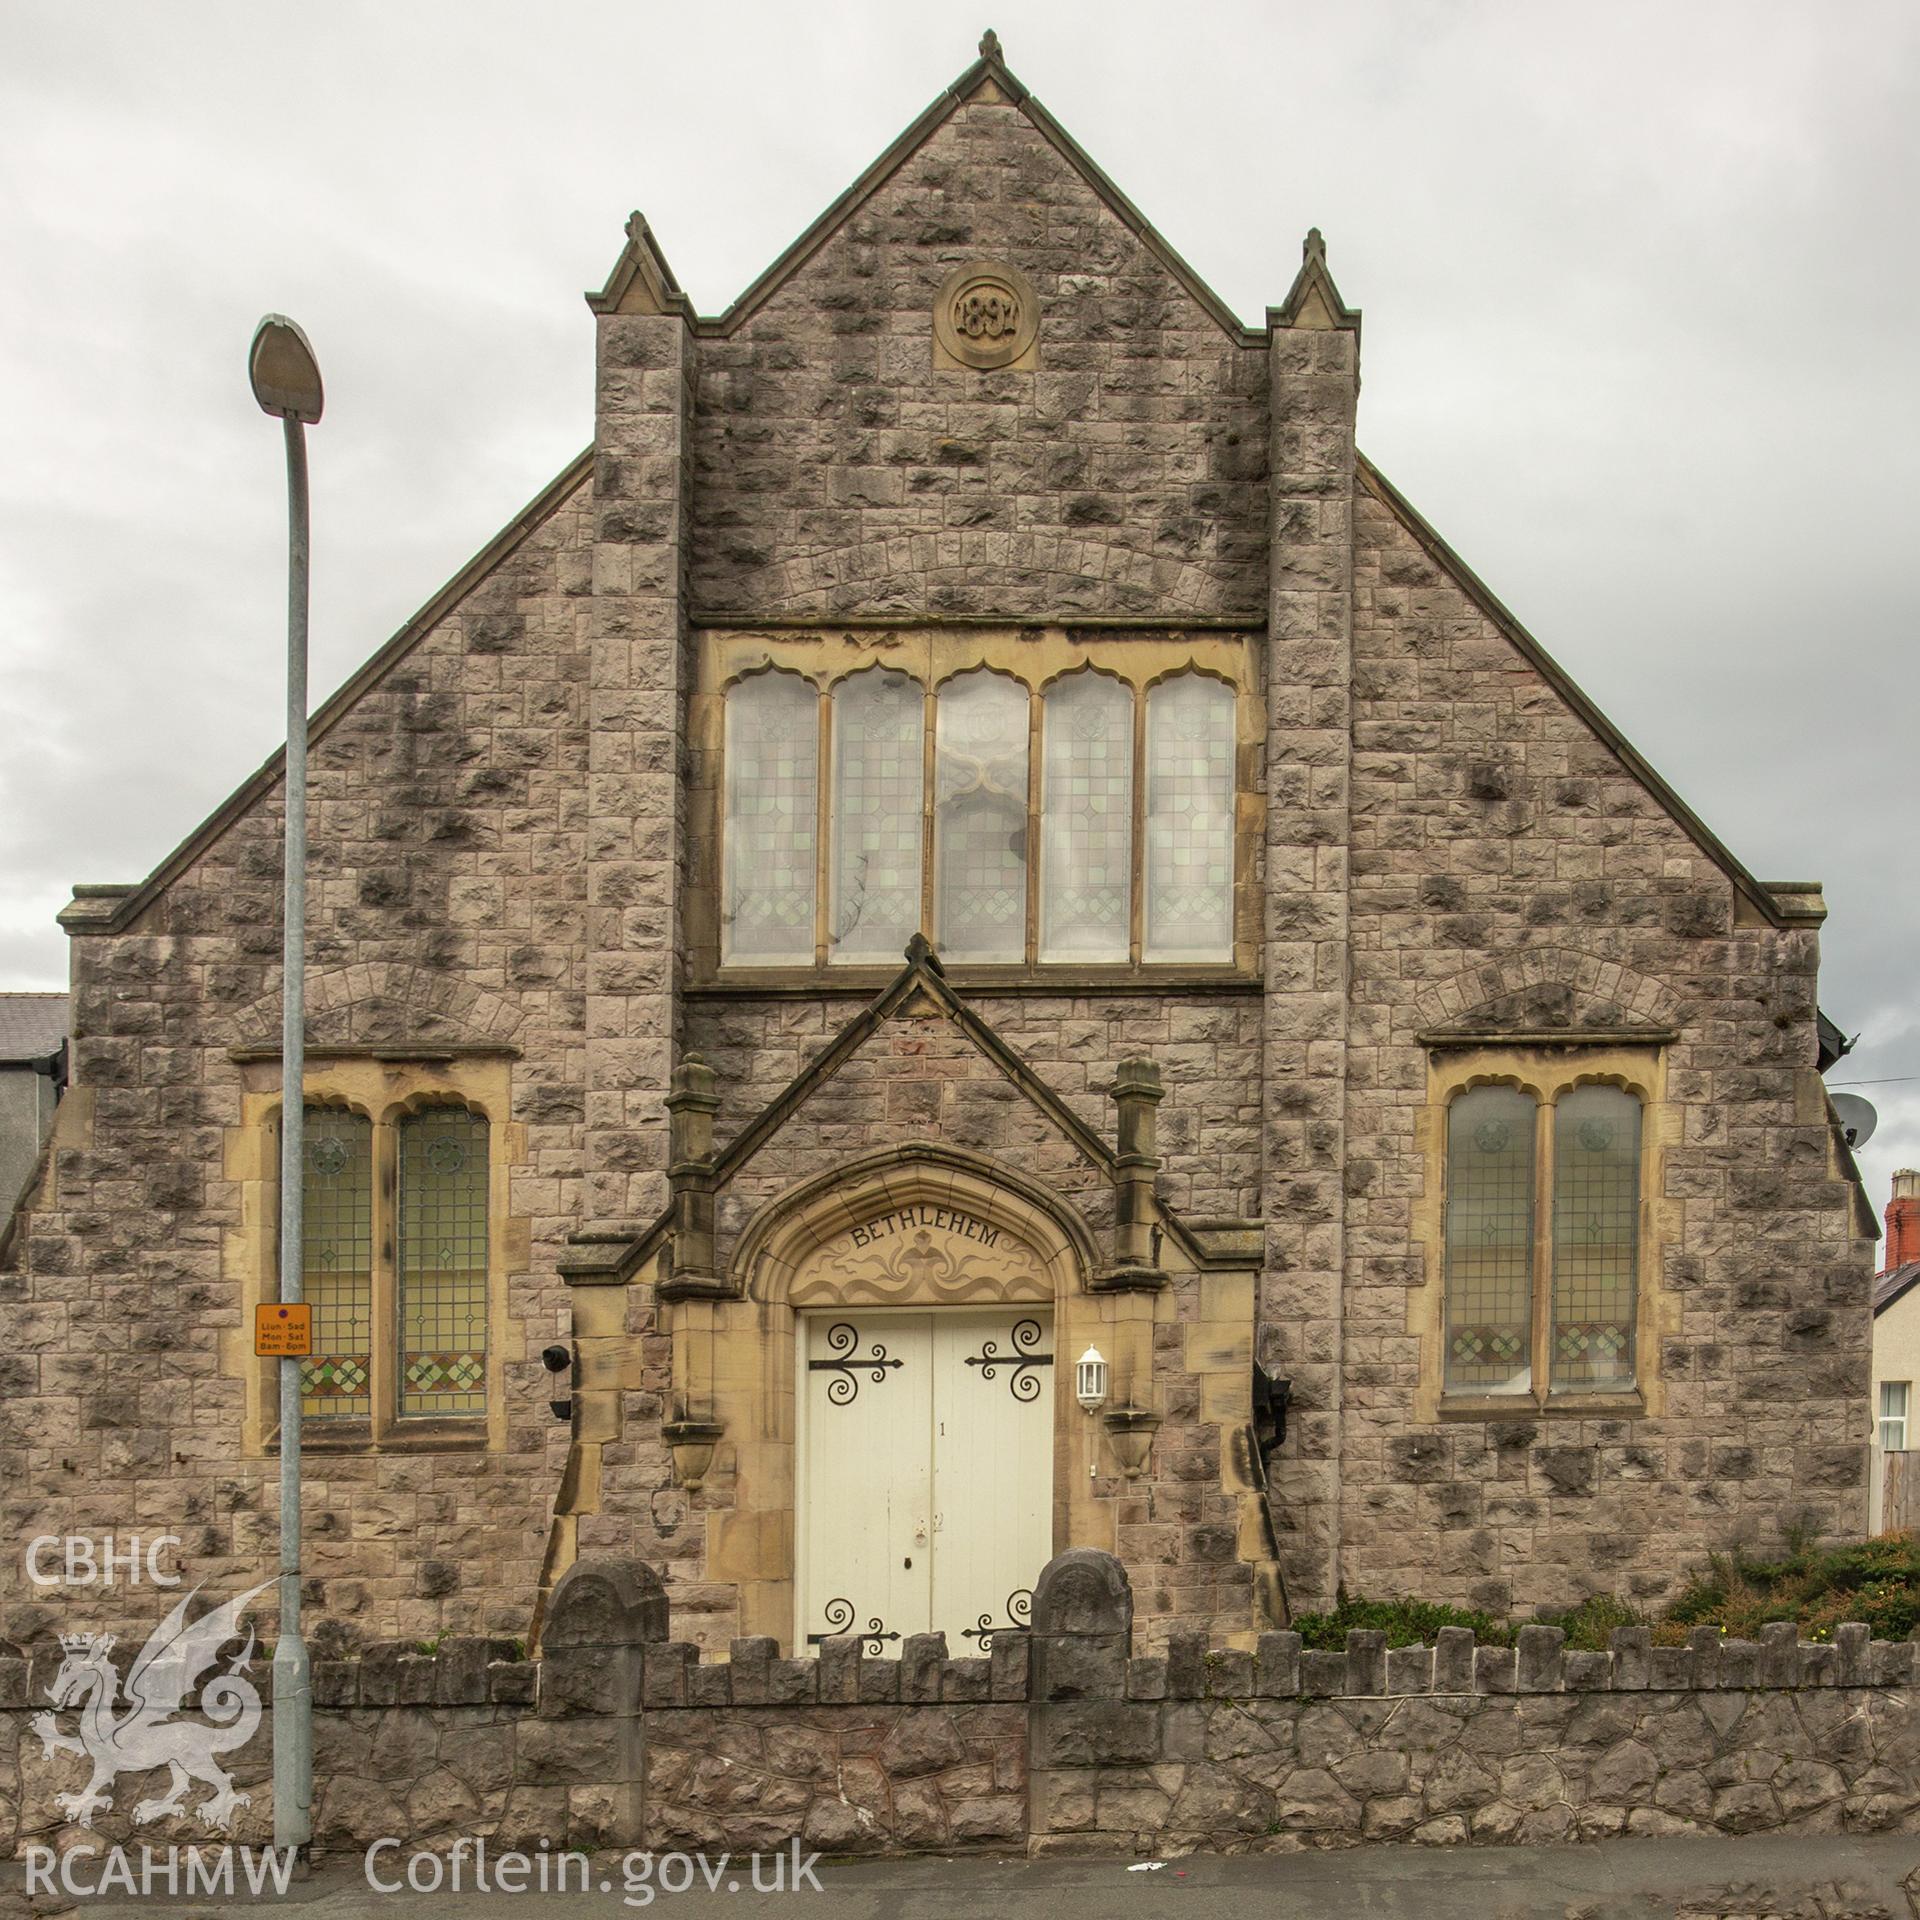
<point>284,373</point>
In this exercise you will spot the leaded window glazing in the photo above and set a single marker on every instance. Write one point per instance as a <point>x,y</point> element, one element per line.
<point>1190,799</point>
<point>772,820</point>
<point>878,724</point>
<point>1596,1218</point>
<point>336,1379</point>
<point>980,818</point>
<point>442,1271</point>
<point>1086,814</point>
<point>1489,1278</point>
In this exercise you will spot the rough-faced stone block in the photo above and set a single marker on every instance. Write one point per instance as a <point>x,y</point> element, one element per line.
<point>1668,1669</point>
<point>1230,1674</point>
<point>1146,1677</point>
<point>1276,1666</point>
<point>1011,1660</point>
<point>966,1680</point>
<point>1779,1663</point>
<point>1632,1665</point>
<point>1852,1658</point>
<point>749,1658</point>
<point>710,1684</point>
<point>839,1669</point>
<point>1366,1661</point>
<point>1323,1675</point>
<point>1186,1664</point>
<point>1453,1649</point>
<point>1067,1667</point>
<point>663,1673</point>
<point>921,1657</point>
<point>1539,1654</point>
<point>1409,1670</point>
<point>513,1683</point>
<point>792,1683</point>
<point>1587,1672</point>
<point>1493,1669</point>
<point>1893,1663</point>
<point>879,1680</point>
<point>1096,1733</point>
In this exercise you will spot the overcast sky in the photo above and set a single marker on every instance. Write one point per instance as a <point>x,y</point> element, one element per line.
<point>1640,285</point>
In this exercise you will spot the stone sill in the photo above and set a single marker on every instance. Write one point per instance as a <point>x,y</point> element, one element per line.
<point>1626,1405</point>
<point>411,1436</point>
<point>813,983</point>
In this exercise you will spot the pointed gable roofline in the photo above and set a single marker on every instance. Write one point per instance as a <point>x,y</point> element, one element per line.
<point>114,908</point>
<point>598,1257</point>
<point>642,282</point>
<point>1765,900</point>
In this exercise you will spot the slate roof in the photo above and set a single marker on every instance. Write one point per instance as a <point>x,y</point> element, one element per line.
<point>1892,1284</point>
<point>32,1025</point>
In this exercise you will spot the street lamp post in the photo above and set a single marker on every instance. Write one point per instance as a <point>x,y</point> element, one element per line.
<point>286,382</point>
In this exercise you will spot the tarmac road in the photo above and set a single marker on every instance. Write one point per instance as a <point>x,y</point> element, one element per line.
<point>1798,1877</point>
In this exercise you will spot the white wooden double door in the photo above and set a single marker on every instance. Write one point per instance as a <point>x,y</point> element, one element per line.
<point>926,1486</point>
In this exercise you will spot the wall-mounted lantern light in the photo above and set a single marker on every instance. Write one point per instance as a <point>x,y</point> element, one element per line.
<point>1090,1380</point>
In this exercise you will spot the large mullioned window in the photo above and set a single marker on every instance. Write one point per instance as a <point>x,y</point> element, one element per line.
<point>400,1306</point>
<point>1542,1240</point>
<point>1083,824</point>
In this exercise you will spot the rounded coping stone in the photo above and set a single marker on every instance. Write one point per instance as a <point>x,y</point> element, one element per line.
<point>606,1603</point>
<point>1083,1591</point>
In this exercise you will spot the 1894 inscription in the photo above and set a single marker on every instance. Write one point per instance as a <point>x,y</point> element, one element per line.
<point>941,1219</point>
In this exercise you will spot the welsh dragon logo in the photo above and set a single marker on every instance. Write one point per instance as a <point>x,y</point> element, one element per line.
<point>150,1732</point>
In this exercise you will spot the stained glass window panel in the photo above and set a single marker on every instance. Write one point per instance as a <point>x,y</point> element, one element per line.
<point>1190,727</point>
<point>1596,1217</point>
<point>772,797</point>
<point>442,1279</point>
<point>1489,1281</point>
<point>878,723</point>
<point>1086,815</point>
<point>337,1264</point>
<point>980,818</point>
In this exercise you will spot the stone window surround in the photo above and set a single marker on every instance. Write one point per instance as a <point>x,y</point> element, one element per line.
<point>932,655</point>
<point>383,1085</point>
<point>1545,1070</point>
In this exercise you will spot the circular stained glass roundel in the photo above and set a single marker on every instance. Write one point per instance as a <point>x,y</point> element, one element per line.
<point>446,1156</point>
<point>327,1156</point>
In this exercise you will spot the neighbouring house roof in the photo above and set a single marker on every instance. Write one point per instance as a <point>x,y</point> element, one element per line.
<point>32,1026</point>
<point>1894,1284</point>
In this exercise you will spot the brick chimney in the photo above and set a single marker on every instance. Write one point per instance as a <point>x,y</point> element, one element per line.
<point>1903,1220</point>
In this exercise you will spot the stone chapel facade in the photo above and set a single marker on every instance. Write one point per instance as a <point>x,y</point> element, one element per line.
<point>970,832</point>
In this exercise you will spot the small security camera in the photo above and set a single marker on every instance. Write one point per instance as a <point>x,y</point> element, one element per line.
<point>556,1359</point>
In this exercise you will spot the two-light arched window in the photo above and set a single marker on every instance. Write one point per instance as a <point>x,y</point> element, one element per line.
<point>1085,824</point>
<point>1542,1240</point>
<point>400,1304</point>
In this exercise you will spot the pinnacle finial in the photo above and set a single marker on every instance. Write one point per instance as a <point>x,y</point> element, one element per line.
<point>989,45</point>
<point>1313,247</point>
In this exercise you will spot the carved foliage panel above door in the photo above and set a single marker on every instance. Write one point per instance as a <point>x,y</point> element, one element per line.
<point>922,1254</point>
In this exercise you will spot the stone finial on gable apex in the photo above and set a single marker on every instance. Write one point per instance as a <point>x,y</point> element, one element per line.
<point>990,45</point>
<point>1313,302</point>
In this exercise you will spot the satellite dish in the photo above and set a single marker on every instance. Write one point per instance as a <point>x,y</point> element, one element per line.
<point>1857,1117</point>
